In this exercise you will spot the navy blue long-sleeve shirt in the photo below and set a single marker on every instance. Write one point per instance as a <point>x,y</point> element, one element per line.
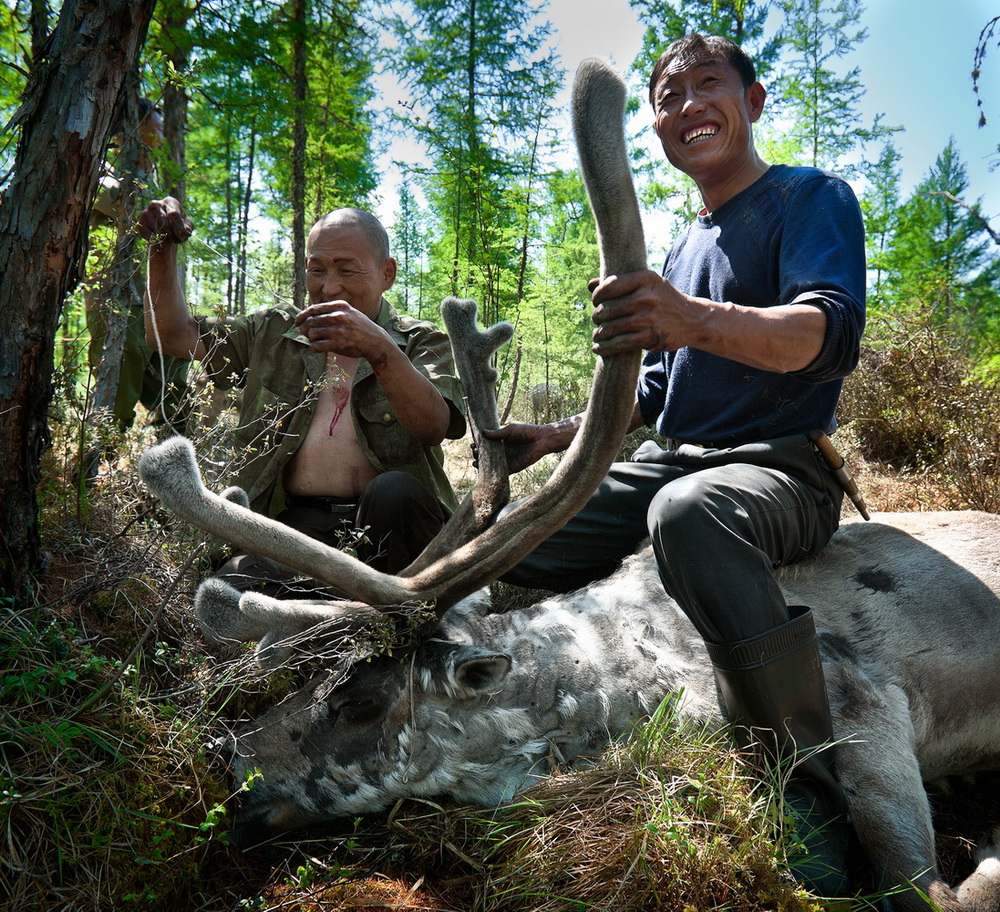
<point>794,236</point>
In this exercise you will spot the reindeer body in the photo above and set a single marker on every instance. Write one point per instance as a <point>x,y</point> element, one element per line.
<point>908,617</point>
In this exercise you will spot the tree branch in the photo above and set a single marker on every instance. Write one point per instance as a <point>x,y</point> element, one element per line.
<point>974,212</point>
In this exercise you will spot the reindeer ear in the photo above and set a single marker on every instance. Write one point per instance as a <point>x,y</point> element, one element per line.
<point>479,670</point>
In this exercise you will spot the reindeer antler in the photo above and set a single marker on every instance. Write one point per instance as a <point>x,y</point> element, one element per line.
<point>473,354</point>
<point>170,469</point>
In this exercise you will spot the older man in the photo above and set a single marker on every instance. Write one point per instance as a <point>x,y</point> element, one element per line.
<point>344,405</point>
<point>749,332</point>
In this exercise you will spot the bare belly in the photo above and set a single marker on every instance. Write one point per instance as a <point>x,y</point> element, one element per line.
<point>330,460</point>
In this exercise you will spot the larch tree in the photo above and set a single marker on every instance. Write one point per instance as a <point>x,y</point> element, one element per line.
<point>318,80</point>
<point>880,207</point>
<point>942,257</point>
<point>819,102</point>
<point>480,80</point>
<point>558,319</point>
<point>173,43</point>
<point>409,246</point>
<point>68,110</point>
<point>742,21</point>
<point>276,104</point>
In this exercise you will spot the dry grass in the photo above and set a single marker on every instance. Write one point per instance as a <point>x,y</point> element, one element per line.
<point>106,801</point>
<point>668,821</point>
<point>109,799</point>
<point>673,819</point>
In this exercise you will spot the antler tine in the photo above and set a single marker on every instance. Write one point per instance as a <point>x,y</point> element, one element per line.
<point>473,353</point>
<point>279,627</point>
<point>605,167</point>
<point>171,472</point>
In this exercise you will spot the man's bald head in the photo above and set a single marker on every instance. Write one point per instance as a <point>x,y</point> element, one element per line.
<point>359,219</point>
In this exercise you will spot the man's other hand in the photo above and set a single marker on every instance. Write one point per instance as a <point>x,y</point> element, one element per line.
<point>165,220</point>
<point>525,444</point>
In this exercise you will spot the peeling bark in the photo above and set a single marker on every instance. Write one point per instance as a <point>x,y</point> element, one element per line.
<point>69,106</point>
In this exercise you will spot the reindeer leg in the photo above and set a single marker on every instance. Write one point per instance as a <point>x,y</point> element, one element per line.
<point>877,767</point>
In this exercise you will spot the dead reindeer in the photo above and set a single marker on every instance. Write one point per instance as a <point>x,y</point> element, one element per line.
<point>906,608</point>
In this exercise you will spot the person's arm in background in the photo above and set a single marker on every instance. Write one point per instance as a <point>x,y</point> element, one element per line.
<point>170,328</point>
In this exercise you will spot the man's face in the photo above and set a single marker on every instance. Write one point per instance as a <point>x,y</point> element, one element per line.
<point>704,116</point>
<point>340,266</point>
<point>151,130</point>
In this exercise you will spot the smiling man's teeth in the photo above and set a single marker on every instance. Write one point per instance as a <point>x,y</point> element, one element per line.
<point>703,133</point>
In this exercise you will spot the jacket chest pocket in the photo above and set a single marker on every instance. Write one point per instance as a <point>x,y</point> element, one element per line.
<point>389,442</point>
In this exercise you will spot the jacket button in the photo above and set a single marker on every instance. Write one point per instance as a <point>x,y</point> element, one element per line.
<point>387,417</point>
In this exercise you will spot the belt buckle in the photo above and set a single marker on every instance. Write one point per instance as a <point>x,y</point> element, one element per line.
<point>345,509</point>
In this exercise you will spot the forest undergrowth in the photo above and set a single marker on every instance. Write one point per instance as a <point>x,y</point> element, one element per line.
<point>114,795</point>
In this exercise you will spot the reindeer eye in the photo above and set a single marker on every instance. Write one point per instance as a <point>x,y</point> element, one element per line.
<point>363,711</point>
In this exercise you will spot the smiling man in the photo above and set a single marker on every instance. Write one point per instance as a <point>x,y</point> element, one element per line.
<point>748,333</point>
<point>343,405</point>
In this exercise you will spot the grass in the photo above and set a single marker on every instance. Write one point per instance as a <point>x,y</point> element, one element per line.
<point>670,820</point>
<point>104,800</point>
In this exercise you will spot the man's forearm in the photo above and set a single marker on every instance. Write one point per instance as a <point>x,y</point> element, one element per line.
<point>642,310</point>
<point>560,434</point>
<point>170,328</point>
<point>418,405</point>
<point>780,339</point>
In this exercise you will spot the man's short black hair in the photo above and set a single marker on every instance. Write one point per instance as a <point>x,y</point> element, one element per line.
<point>712,45</point>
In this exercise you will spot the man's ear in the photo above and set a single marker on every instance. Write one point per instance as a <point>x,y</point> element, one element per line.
<point>388,274</point>
<point>755,96</point>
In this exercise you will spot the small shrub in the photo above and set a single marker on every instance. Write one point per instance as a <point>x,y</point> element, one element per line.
<point>918,403</point>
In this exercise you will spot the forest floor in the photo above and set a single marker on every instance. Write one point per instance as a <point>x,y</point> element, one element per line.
<point>114,581</point>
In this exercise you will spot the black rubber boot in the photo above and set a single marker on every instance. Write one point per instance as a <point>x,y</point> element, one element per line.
<point>773,689</point>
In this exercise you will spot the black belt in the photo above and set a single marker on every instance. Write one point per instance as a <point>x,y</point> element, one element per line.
<point>670,443</point>
<point>341,505</point>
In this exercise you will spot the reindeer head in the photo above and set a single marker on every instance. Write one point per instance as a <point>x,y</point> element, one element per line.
<point>362,733</point>
<point>366,728</point>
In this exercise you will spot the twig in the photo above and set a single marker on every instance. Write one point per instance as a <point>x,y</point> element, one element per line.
<point>101,691</point>
<point>975,213</point>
